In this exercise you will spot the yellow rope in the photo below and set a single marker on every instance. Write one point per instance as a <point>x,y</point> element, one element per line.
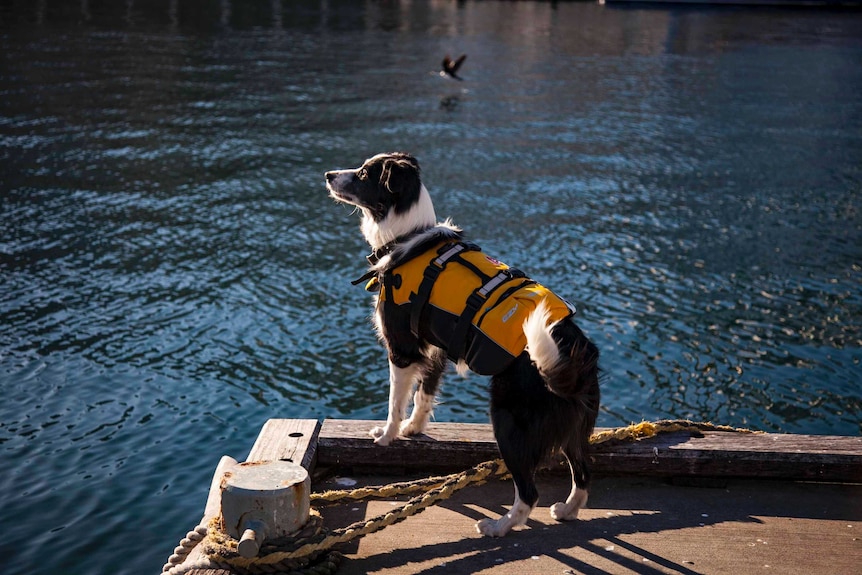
<point>222,548</point>
<point>379,491</point>
<point>647,429</point>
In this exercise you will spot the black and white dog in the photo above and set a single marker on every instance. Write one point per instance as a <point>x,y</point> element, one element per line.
<point>544,398</point>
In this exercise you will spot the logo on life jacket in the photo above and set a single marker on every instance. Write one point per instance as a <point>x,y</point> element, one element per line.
<point>509,314</point>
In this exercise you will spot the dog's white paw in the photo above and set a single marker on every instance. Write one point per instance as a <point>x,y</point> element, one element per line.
<point>411,427</point>
<point>488,528</point>
<point>569,510</point>
<point>517,516</point>
<point>383,440</point>
<point>563,512</point>
<point>381,437</point>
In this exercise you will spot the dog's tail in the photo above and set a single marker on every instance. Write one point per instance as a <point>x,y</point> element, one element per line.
<point>565,358</point>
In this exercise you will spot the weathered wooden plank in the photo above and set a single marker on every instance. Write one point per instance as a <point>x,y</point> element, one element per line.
<point>449,446</point>
<point>287,440</point>
<point>443,447</point>
<point>721,454</point>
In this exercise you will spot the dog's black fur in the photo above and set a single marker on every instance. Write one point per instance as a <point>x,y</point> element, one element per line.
<point>542,402</point>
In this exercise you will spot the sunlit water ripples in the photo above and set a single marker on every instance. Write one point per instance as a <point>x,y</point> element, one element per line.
<point>172,273</point>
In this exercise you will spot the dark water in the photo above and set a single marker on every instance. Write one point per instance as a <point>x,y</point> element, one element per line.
<point>172,273</point>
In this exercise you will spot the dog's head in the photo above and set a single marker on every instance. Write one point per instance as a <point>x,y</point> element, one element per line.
<point>388,192</point>
<point>383,184</point>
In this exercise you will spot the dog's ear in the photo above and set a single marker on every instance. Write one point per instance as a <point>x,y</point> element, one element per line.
<point>400,175</point>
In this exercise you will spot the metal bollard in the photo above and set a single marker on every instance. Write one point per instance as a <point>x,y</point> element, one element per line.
<point>264,500</point>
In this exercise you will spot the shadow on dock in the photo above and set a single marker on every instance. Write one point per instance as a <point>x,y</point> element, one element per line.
<point>640,525</point>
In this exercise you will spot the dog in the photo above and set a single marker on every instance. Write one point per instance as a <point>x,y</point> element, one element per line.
<point>544,374</point>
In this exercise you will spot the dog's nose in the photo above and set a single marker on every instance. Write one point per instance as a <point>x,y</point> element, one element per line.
<point>330,176</point>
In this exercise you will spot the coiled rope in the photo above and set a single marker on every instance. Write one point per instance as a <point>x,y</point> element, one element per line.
<point>309,551</point>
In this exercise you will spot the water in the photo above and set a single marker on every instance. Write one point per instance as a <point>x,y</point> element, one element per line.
<point>172,273</point>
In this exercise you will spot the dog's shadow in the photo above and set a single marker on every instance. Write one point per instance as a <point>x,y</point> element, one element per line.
<point>596,535</point>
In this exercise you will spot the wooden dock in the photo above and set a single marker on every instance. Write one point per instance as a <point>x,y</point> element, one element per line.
<point>683,503</point>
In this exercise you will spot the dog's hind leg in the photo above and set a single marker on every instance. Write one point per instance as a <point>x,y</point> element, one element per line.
<point>568,510</point>
<point>517,515</point>
<point>522,461</point>
<point>423,399</point>
<point>401,381</point>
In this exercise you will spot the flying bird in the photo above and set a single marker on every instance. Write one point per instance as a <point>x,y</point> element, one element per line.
<point>450,68</point>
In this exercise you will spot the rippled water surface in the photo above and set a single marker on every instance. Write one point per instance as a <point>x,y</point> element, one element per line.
<point>172,273</point>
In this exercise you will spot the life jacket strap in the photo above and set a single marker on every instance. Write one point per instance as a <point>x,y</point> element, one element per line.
<point>365,277</point>
<point>455,349</point>
<point>429,276</point>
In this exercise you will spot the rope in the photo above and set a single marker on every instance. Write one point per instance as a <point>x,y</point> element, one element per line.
<point>308,551</point>
<point>645,429</point>
<point>379,491</point>
<point>189,542</point>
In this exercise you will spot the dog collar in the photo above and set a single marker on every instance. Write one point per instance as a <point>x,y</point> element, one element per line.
<point>383,251</point>
<point>378,254</point>
<point>375,256</point>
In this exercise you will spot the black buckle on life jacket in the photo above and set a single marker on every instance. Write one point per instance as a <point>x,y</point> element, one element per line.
<point>433,271</point>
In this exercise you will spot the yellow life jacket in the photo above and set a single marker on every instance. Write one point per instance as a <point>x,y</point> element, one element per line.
<point>468,303</point>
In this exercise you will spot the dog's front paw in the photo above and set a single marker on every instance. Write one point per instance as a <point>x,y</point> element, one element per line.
<point>488,528</point>
<point>563,512</point>
<point>381,437</point>
<point>411,427</point>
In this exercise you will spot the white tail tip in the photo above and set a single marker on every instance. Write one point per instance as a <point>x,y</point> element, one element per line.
<point>540,345</point>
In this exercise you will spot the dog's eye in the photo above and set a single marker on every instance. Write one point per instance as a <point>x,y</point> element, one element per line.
<point>362,174</point>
